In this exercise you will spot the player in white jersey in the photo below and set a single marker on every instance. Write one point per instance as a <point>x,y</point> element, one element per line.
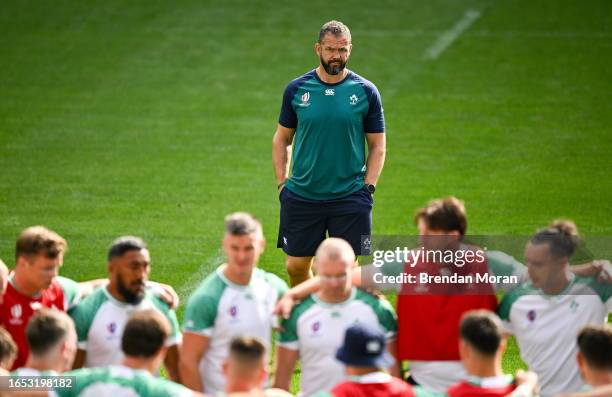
<point>316,327</point>
<point>546,314</point>
<point>101,317</point>
<point>143,345</point>
<point>236,300</point>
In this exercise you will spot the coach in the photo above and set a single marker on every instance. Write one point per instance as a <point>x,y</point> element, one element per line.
<point>330,112</point>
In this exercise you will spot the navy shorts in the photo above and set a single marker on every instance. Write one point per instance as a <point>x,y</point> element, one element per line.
<point>305,223</point>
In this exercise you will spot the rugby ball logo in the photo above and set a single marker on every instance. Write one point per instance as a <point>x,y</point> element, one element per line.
<point>16,311</point>
<point>305,99</point>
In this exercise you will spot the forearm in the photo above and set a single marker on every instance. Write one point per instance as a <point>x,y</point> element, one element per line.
<point>171,363</point>
<point>282,377</point>
<point>189,374</point>
<point>375,163</point>
<point>304,289</point>
<point>281,152</point>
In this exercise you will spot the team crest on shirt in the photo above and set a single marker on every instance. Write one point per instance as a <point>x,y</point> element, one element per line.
<point>305,99</point>
<point>531,315</point>
<point>353,99</point>
<point>330,92</point>
<point>233,312</point>
<point>573,305</point>
<point>112,327</point>
<point>315,328</point>
<point>16,311</point>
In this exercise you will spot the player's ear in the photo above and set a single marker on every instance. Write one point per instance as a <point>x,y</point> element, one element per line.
<point>317,48</point>
<point>225,368</point>
<point>263,374</point>
<point>464,350</point>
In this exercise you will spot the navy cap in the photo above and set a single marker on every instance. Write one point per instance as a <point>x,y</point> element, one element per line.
<point>364,346</point>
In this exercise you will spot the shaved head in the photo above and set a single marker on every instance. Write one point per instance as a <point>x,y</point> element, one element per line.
<point>335,249</point>
<point>334,262</point>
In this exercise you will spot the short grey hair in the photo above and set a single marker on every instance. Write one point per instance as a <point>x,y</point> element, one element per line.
<point>336,28</point>
<point>241,224</point>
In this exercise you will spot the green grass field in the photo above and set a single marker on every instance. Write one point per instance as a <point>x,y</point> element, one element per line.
<point>155,118</point>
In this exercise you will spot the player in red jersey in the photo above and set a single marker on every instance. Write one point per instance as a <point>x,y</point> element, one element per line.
<point>481,347</point>
<point>364,355</point>
<point>34,284</point>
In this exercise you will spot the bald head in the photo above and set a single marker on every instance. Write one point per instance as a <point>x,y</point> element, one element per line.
<point>335,249</point>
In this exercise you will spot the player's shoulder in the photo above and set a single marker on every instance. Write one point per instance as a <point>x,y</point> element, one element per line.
<point>586,285</point>
<point>269,277</point>
<point>93,302</point>
<point>164,387</point>
<point>372,300</point>
<point>368,85</point>
<point>302,307</point>
<point>210,289</point>
<point>513,296</point>
<point>294,84</point>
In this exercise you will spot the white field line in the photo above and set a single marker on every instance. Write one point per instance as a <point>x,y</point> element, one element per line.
<point>185,290</point>
<point>447,38</point>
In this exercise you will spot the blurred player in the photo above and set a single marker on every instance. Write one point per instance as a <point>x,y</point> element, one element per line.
<point>245,369</point>
<point>53,343</point>
<point>8,350</point>
<point>365,357</point>
<point>143,346</point>
<point>236,300</point>
<point>546,314</point>
<point>428,322</point>
<point>481,347</point>
<point>101,317</point>
<point>595,361</point>
<point>595,355</point>
<point>4,273</point>
<point>316,327</point>
<point>34,284</point>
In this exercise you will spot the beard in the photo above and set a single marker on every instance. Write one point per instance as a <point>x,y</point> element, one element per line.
<point>335,69</point>
<point>129,296</point>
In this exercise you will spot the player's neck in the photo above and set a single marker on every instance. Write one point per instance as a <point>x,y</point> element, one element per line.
<point>334,298</point>
<point>45,364</point>
<point>558,285</point>
<point>240,386</point>
<point>599,378</point>
<point>146,364</point>
<point>21,285</point>
<point>239,278</point>
<point>360,371</point>
<point>114,292</point>
<point>484,368</point>
<point>331,78</point>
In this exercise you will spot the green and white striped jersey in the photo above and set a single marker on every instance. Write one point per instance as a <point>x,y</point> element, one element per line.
<point>546,327</point>
<point>100,320</point>
<point>222,310</point>
<point>317,328</point>
<point>119,381</point>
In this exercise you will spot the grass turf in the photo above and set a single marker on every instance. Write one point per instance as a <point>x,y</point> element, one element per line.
<point>155,118</point>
